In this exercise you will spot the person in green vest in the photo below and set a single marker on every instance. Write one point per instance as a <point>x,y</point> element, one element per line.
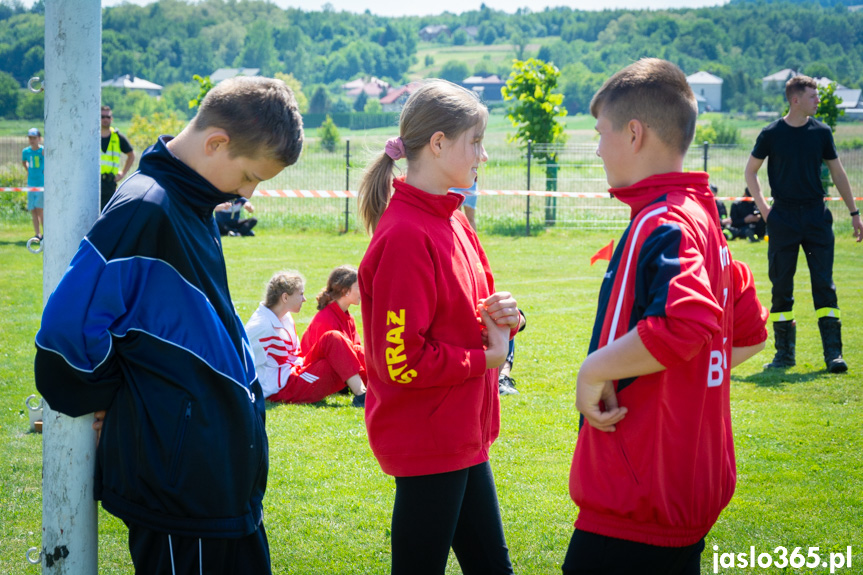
<point>114,145</point>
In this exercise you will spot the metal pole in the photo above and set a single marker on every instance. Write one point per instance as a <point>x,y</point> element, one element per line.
<point>347,181</point>
<point>706,151</point>
<point>527,214</point>
<point>73,42</point>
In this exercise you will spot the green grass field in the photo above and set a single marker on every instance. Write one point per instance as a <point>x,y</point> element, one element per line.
<point>328,505</point>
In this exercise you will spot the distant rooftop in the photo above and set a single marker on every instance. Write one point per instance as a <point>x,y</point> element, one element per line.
<point>225,73</point>
<point>703,78</point>
<point>131,82</point>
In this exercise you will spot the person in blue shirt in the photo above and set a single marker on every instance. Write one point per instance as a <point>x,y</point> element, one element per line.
<point>33,159</point>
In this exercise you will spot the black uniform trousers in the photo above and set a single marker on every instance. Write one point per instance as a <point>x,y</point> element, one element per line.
<point>157,553</point>
<point>811,227</point>
<point>108,187</point>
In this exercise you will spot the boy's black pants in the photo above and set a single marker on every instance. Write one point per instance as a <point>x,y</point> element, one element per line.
<point>809,227</point>
<point>458,509</point>
<point>592,554</point>
<point>158,553</point>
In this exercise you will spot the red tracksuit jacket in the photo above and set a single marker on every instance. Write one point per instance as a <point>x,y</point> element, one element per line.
<point>333,318</point>
<point>666,473</point>
<point>432,406</point>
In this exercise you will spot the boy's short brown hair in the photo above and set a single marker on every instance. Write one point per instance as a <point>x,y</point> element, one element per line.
<point>797,85</point>
<point>260,115</point>
<point>654,92</point>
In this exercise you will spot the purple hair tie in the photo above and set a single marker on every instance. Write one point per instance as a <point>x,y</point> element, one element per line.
<point>395,148</point>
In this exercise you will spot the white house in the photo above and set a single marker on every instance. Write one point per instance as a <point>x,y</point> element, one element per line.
<point>132,83</point>
<point>776,82</point>
<point>709,87</point>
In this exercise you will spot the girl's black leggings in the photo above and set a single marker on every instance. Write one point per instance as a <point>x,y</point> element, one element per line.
<point>458,509</point>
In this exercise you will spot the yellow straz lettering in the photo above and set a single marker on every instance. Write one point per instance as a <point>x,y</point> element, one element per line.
<point>395,356</point>
<point>395,335</point>
<point>393,319</point>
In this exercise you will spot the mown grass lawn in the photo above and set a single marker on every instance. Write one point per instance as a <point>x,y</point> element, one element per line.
<point>328,505</point>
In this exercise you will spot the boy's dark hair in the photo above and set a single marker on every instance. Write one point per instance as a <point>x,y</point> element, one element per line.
<point>797,85</point>
<point>260,115</point>
<point>654,92</point>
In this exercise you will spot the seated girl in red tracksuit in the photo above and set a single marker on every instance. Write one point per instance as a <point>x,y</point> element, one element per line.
<point>285,372</point>
<point>342,291</point>
<point>435,332</point>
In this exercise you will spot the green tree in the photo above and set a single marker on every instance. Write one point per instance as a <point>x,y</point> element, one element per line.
<point>534,109</point>
<point>205,85</point>
<point>519,44</point>
<point>373,106</point>
<point>719,131</point>
<point>360,102</point>
<point>828,107</point>
<point>10,91</point>
<point>828,112</point>
<point>297,88</point>
<point>329,135</point>
<point>455,71</point>
<point>178,94</point>
<point>144,130</point>
<point>320,103</point>
<point>259,49</point>
<point>535,104</point>
<point>31,106</point>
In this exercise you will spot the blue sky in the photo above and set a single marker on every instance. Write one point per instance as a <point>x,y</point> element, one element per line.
<point>391,8</point>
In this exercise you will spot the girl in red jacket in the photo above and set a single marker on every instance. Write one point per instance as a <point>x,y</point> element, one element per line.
<point>342,292</point>
<point>286,371</point>
<point>435,332</point>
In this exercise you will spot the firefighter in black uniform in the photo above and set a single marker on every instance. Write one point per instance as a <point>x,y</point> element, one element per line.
<point>797,144</point>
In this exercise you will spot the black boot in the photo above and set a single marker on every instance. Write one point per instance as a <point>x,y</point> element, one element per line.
<point>831,339</point>
<point>785,338</point>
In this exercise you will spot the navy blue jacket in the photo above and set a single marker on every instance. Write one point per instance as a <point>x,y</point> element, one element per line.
<point>142,324</point>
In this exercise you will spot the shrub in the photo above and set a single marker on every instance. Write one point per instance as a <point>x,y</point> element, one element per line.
<point>145,129</point>
<point>329,134</point>
<point>719,131</point>
<point>13,205</point>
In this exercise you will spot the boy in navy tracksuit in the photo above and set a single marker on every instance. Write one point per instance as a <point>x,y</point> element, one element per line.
<point>654,462</point>
<point>142,330</point>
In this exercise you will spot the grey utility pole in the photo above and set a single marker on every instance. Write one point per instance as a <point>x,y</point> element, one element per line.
<point>73,48</point>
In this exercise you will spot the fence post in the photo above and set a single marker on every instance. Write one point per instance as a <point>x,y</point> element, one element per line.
<point>706,154</point>
<point>527,213</point>
<point>347,181</point>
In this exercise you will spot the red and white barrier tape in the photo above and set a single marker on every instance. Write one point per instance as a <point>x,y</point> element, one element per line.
<point>353,194</point>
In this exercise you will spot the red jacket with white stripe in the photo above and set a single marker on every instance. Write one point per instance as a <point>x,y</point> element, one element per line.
<point>276,348</point>
<point>666,473</point>
<point>432,406</point>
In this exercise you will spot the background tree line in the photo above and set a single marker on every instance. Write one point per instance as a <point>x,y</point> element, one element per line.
<point>171,40</point>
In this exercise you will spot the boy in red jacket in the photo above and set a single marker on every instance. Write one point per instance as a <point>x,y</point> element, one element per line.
<point>654,462</point>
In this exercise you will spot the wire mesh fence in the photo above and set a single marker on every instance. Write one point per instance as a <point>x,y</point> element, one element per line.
<point>569,168</point>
